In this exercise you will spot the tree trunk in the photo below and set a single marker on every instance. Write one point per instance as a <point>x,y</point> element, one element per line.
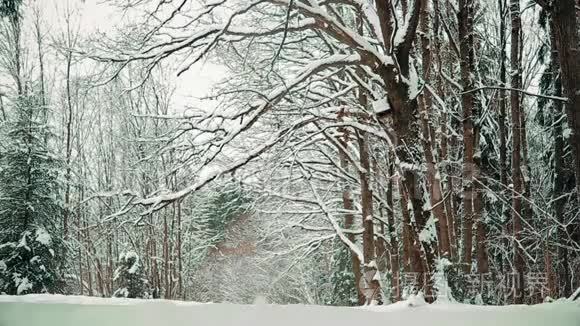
<point>445,145</point>
<point>567,42</point>
<point>470,168</point>
<point>371,275</point>
<point>433,176</point>
<point>516,154</point>
<point>381,242</point>
<point>411,255</point>
<point>179,255</point>
<point>394,249</point>
<point>502,118</point>
<point>166,257</point>
<point>110,267</point>
<point>558,196</point>
<point>88,258</point>
<point>15,23</point>
<point>406,123</point>
<point>348,206</point>
<point>68,153</point>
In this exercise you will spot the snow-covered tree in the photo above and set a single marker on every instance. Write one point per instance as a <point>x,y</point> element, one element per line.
<point>9,7</point>
<point>342,279</point>
<point>31,245</point>
<point>129,277</point>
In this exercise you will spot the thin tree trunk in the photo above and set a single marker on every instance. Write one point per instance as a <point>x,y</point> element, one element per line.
<point>558,198</point>
<point>394,249</point>
<point>519,264</point>
<point>433,176</point>
<point>86,239</point>
<point>110,267</point>
<point>39,47</point>
<point>411,257</point>
<point>16,25</point>
<point>445,145</point>
<point>166,257</point>
<point>470,168</point>
<point>179,255</point>
<point>371,276</point>
<point>380,242</point>
<point>502,101</point>
<point>348,224</point>
<point>502,118</point>
<point>66,212</point>
<point>480,247</point>
<point>80,253</point>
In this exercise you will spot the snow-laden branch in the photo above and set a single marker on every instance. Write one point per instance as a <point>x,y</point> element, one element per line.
<point>549,97</point>
<point>161,201</point>
<point>354,249</point>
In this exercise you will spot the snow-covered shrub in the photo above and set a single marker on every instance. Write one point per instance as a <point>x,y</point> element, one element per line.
<point>129,277</point>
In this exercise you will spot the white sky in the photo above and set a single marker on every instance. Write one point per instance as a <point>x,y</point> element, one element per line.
<point>97,16</point>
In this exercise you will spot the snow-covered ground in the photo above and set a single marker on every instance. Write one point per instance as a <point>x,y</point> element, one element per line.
<point>48,310</point>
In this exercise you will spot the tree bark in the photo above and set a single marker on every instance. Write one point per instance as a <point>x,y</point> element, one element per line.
<point>470,168</point>
<point>348,206</point>
<point>166,284</point>
<point>394,249</point>
<point>68,153</point>
<point>503,132</point>
<point>516,150</point>
<point>371,276</point>
<point>179,255</point>
<point>558,198</point>
<point>567,42</point>
<point>406,122</point>
<point>433,175</point>
<point>446,146</point>
<point>380,242</point>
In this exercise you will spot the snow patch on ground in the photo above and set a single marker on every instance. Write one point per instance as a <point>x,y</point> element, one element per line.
<point>47,310</point>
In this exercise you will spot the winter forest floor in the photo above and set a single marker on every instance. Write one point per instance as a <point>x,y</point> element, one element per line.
<point>48,310</point>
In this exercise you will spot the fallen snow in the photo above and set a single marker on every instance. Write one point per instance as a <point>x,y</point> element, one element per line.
<point>48,310</point>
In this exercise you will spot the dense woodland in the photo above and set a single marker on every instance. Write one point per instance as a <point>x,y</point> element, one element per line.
<point>354,152</point>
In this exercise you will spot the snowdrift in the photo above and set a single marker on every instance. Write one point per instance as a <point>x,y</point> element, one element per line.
<point>49,310</point>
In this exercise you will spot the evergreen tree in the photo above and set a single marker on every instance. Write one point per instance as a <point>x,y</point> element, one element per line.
<point>342,278</point>
<point>223,206</point>
<point>9,7</point>
<point>31,246</point>
<point>129,277</point>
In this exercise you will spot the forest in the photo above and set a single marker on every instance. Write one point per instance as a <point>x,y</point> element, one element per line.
<point>329,152</point>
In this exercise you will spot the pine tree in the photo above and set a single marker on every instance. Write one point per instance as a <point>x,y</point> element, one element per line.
<point>9,7</point>
<point>129,277</point>
<point>31,247</point>
<point>342,278</point>
<point>223,206</point>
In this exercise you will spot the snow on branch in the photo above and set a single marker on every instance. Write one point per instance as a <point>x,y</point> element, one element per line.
<point>161,201</point>
<point>548,97</point>
<point>339,231</point>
